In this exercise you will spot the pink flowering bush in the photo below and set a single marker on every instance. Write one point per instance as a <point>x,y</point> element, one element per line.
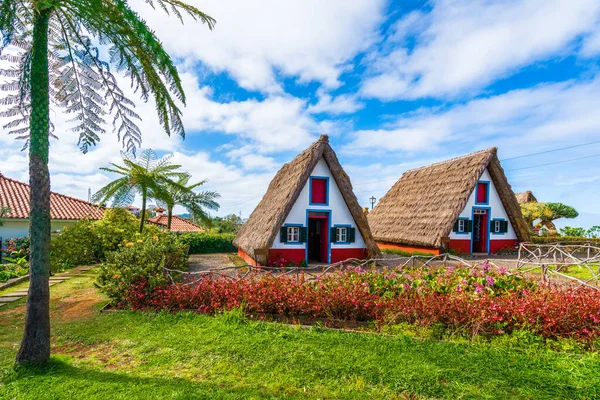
<point>469,301</point>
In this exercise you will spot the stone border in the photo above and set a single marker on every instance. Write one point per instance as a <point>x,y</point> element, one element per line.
<point>58,278</point>
<point>13,281</point>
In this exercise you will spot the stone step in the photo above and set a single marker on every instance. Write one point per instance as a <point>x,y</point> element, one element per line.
<point>8,299</point>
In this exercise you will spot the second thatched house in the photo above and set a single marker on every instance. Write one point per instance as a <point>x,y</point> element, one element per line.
<point>308,213</point>
<point>464,204</point>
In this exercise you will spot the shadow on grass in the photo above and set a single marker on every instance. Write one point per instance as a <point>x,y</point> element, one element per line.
<point>61,380</point>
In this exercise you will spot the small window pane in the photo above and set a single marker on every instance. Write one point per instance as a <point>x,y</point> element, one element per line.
<point>461,225</point>
<point>497,227</point>
<point>342,235</point>
<point>293,234</point>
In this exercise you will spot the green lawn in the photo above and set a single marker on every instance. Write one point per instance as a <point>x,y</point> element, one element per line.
<point>128,355</point>
<point>576,271</point>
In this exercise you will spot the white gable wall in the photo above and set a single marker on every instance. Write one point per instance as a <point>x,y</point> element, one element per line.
<point>497,212</point>
<point>340,214</point>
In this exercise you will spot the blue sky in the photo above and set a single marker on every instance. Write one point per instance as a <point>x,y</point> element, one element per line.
<point>396,85</point>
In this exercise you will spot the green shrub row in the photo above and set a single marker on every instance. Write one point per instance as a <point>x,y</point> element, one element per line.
<point>564,240</point>
<point>203,243</point>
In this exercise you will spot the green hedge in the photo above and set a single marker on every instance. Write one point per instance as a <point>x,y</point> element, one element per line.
<point>564,240</point>
<point>204,243</point>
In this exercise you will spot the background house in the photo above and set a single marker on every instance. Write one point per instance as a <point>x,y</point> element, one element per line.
<point>178,224</point>
<point>308,213</point>
<point>64,210</point>
<point>464,204</point>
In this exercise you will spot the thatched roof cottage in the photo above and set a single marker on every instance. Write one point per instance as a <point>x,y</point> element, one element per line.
<point>465,204</point>
<point>308,213</point>
<point>525,197</point>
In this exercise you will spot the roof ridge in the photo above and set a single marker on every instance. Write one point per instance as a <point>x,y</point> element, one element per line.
<point>51,192</point>
<point>489,150</point>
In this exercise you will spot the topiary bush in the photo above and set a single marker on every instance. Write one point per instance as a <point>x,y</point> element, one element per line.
<point>203,243</point>
<point>141,260</point>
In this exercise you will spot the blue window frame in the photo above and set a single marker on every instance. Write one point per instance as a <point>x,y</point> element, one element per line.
<point>487,192</point>
<point>342,234</point>
<point>293,232</point>
<point>310,189</point>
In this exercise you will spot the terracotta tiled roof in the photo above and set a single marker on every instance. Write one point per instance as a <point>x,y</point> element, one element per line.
<point>15,194</point>
<point>178,224</point>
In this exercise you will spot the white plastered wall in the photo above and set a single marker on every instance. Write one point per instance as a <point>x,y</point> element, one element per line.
<point>340,214</point>
<point>497,211</point>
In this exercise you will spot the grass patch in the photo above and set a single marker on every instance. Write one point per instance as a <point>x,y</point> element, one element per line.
<point>576,271</point>
<point>134,355</point>
<point>237,260</point>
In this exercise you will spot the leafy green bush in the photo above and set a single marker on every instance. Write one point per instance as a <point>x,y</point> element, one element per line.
<point>203,243</point>
<point>141,259</point>
<point>88,242</point>
<point>76,245</point>
<point>117,225</point>
<point>564,240</point>
<point>17,247</point>
<point>14,267</point>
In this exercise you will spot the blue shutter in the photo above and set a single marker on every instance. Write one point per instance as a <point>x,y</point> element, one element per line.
<point>283,234</point>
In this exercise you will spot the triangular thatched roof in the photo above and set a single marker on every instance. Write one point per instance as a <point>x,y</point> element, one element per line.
<point>525,197</point>
<point>421,208</point>
<point>259,232</point>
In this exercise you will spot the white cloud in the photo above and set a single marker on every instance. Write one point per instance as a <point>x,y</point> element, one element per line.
<point>555,114</point>
<point>253,41</point>
<point>342,104</point>
<point>463,46</point>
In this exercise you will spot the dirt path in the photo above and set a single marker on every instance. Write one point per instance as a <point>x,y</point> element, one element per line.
<point>204,262</point>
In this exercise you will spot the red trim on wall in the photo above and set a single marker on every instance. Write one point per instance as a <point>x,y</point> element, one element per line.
<point>319,191</point>
<point>338,255</point>
<point>499,244</point>
<point>295,255</point>
<point>461,246</point>
<point>410,249</point>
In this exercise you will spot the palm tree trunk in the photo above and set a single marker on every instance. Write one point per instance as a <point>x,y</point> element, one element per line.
<point>169,217</point>
<point>143,212</point>
<point>35,346</point>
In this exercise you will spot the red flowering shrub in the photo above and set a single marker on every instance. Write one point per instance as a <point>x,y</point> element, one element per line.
<point>462,300</point>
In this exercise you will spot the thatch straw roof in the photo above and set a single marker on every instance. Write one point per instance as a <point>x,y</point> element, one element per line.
<point>525,197</point>
<point>259,232</point>
<point>423,205</point>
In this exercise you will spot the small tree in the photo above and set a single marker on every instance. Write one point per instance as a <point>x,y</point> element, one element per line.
<point>56,61</point>
<point>145,176</point>
<point>533,211</point>
<point>183,194</point>
<point>229,224</point>
<point>556,211</point>
<point>593,232</point>
<point>572,232</point>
